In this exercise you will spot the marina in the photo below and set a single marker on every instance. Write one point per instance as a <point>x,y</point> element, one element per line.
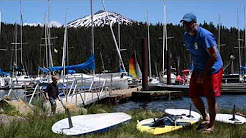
<point>106,72</point>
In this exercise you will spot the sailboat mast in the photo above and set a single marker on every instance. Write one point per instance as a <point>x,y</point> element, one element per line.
<point>219,35</point>
<point>165,18</point>
<point>67,49</point>
<point>164,39</point>
<point>244,36</point>
<point>92,33</point>
<point>92,30</point>
<point>119,36</point>
<point>21,23</point>
<point>150,73</point>
<point>16,59</point>
<point>48,31</point>
<point>45,39</point>
<point>0,22</point>
<point>116,45</point>
<point>64,46</point>
<point>239,48</point>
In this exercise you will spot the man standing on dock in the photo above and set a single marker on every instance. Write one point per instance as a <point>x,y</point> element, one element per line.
<point>208,68</point>
<point>52,93</point>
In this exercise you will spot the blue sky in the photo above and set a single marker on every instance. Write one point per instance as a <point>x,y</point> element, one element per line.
<point>33,10</point>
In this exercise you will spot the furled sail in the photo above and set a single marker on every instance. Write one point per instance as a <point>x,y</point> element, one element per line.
<point>89,64</point>
<point>2,73</point>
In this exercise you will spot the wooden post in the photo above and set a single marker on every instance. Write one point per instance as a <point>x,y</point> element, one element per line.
<point>145,65</point>
<point>168,68</point>
<point>110,92</point>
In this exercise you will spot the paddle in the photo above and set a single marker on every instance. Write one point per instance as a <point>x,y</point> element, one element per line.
<point>67,110</point>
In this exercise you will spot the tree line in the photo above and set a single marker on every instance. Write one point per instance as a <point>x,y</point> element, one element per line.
<point>131,36</point>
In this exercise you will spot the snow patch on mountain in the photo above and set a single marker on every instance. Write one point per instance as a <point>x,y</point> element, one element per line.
<point>52,24</point>
<point>101,18</point>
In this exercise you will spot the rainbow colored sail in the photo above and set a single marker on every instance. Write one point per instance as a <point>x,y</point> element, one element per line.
<point>134,69</point>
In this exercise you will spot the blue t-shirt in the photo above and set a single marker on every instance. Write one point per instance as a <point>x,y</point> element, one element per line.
<point>197,45</point>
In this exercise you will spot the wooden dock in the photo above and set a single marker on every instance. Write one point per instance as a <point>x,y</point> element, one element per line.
<point>233,88</point>
<point>166,92</point>
<point>119,96</point>
<point>165,87</point>
<point>87,98</point>
<point>226,88</point>
<point>156,95</point>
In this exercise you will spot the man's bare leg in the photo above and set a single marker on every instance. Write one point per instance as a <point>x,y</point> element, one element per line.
<point>53,109</point>
<point>212,107</point>
<point>200,106</point>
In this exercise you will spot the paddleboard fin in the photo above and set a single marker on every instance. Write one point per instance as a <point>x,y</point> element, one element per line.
<point>233,115</point>
<point>190,116</point>
<point>154,121</point>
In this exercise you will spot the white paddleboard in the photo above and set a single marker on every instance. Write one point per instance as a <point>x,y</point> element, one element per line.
<point>185,113</point>
<point>227,118</point>
<point>84,124</point>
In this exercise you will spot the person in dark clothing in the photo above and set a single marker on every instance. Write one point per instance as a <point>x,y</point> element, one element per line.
<point>52,93</point>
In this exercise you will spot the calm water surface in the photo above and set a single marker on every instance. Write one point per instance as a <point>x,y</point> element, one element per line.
<point>19,93</point>
<point>224,102</point>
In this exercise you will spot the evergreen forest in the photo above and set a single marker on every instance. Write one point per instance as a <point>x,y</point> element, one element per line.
<point>131,36</point>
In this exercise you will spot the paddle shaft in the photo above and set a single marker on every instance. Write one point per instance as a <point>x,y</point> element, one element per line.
<point>68,114</point>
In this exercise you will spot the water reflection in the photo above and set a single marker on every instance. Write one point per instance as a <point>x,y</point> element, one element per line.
<point>224,102</point>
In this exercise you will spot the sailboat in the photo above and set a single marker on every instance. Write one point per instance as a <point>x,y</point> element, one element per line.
<point>4,81</point>
<point>134,69</point>
<point>48,62</point>
<point>151,79</point>
<point>85,79</point>
<point>163,76</point>
<point>19,77</point>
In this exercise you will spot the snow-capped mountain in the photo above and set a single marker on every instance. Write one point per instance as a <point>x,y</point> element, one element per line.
<point>100,19</point>
<point>52,24</point>
<point>33,24</point>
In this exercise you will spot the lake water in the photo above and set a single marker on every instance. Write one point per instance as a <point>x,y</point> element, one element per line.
<point>19,93</point>
<point>224,102</point>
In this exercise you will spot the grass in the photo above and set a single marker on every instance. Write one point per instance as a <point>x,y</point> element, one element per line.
<point>39,125</point>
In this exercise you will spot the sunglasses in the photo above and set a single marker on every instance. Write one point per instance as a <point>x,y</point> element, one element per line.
<point>187,23</point>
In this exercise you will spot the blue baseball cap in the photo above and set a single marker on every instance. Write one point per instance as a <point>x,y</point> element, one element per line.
<point>189,17</point>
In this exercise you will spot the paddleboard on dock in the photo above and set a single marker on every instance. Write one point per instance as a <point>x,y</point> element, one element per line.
<point>84,124</point>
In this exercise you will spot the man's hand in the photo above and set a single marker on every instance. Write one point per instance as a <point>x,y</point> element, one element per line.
<point>213,56</point>
<point>59,98</point>
<point>201,78</point>
<point>47,97</point>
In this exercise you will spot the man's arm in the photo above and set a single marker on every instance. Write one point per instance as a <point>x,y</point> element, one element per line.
<point>46,93</point>
<point>47,96</point>
<point>213,56</point>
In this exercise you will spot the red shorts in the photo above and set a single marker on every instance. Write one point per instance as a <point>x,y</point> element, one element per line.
<point>210,88</point>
